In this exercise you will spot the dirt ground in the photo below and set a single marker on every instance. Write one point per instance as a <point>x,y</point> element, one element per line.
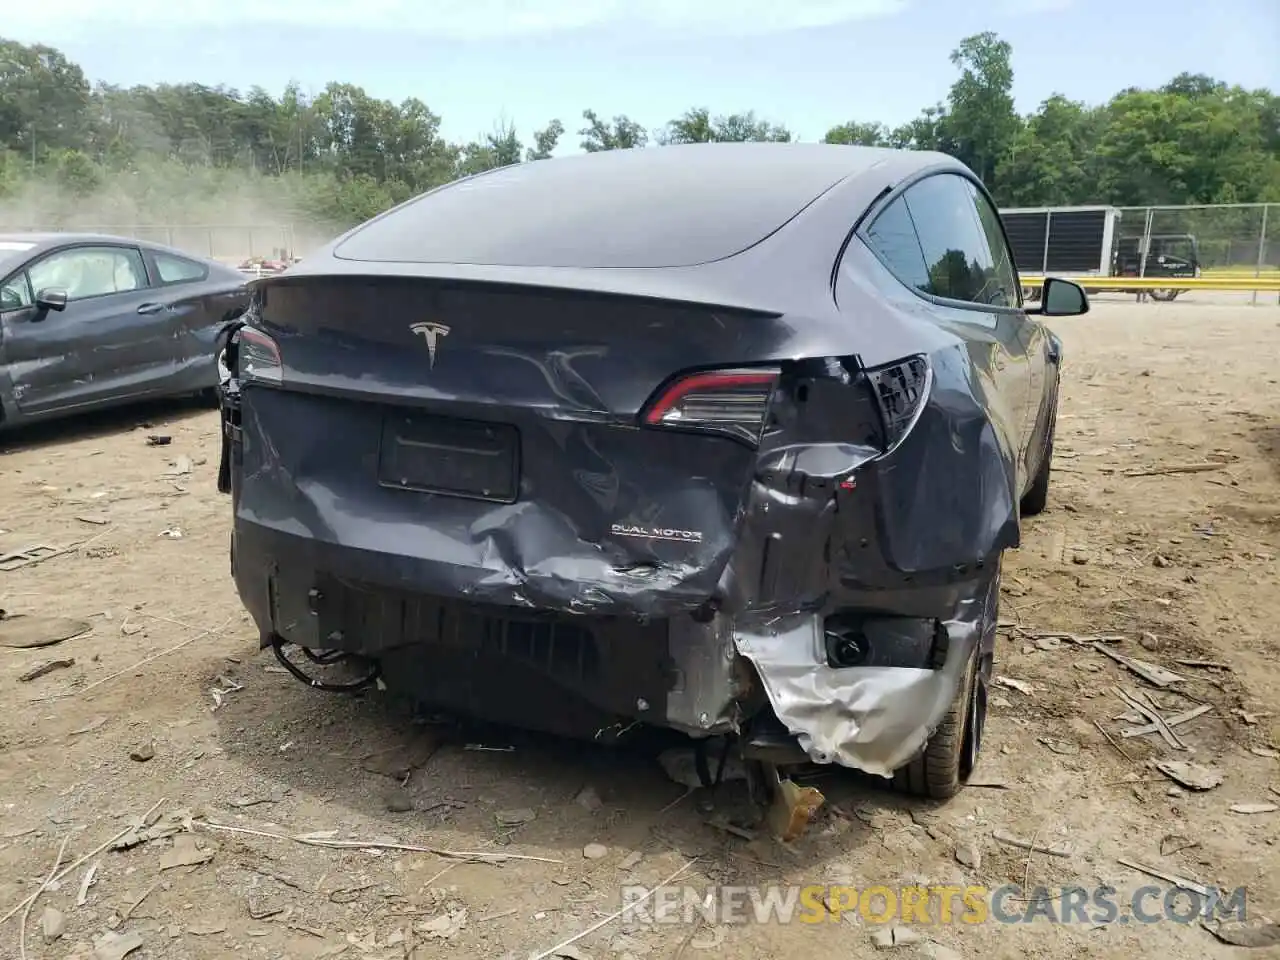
<point>1182,566</point>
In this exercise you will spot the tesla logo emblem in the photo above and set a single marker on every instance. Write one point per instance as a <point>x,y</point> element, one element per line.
<point>431,332</point>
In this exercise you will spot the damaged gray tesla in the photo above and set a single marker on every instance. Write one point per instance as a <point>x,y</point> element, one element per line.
<point>728,439</point>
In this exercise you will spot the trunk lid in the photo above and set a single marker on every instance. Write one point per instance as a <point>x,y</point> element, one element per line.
<point>487,442</point>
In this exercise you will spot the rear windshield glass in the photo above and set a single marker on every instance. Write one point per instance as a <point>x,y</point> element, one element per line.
<point>651,207</point>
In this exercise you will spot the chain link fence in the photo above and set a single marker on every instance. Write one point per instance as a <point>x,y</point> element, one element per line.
<point>1228,239</point>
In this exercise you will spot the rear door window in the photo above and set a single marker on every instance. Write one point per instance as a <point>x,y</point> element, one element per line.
<point>173,269</point>
<point>893,236</point>
<point>957,255</point>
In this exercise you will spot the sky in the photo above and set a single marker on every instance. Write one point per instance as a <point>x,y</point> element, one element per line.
<point>808,64</point>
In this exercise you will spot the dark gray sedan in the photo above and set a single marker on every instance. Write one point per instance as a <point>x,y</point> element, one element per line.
<point>90,321</point>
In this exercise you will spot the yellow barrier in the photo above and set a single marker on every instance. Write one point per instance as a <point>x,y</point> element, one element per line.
<point>1167,283</point>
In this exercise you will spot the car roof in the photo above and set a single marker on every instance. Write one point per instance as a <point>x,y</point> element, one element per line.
<point>671,206</point>
<point>32,243</point>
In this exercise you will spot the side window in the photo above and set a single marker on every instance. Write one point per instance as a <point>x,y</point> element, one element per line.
<point>956,253</point>
<point>16,293</point>
<point>893,236</point>
<point>179,269</point>
<point>90,272</point>
<point>1002,256</point>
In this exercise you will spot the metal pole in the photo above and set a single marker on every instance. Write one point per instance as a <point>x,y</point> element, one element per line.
<point>1146,243</point>
<point>1262,249</point>
<point>1044,260</point>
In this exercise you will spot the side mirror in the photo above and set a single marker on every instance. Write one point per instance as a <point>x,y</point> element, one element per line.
<point>1062,298</point>
<point>51,298</point>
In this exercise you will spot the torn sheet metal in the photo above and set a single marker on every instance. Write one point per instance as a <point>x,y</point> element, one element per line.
<point>873,719</point>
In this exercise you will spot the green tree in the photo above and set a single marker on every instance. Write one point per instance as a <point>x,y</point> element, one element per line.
<point>622,133</point>
<point>980,123</point>
<point>699,126</point>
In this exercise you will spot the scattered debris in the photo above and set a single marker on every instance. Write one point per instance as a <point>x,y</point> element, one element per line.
<point>1154,716</point>
<point>1265,752</point>
<point>515,818</point>
<point>1175,843</point>
<point>397,800</point>
<point>1175,468</point>
<point>1249,719</point>
<point>151,828</point>
<point>116,946</point>
<point>26,633</point>
<point>631,904</point>
<point>1238,933</point>
<point>890,937</point>
<point>173,533</point>
<point>1029,846</point>
<point>327,838</point>
<point>159,440</point>
<point>1062,747</point>
<point>38,671</point>
<point>28,556</point>
<point>595,851</point>
<point>1193,776</point>
<point>588,799</point>
<point>1111,740</point>
<point>178,468</point>
<point>1254,808</point>
<point>968,855</point>
<point>791,809</point>
<point>1022,686</point>
<point>1176,720</point>
<point>143,752</point>
<point>185,853</point>
<point>631,860</point>
<point>444,927</point>
<point>97,519</point>
<point>87,881</point>
<point>401,760</point>
<point>1150,672</point>
<point>53,924</point>
<point>1177,881</point>
<point>228,686</point>
<point>1204,664</point>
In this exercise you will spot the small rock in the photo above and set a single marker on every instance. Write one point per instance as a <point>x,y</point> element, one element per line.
<point>595,851</point>
<point>143,753</point>
<point>969,856</point>
<point>936,951</point>
<point>398,801</point>
<point>1159,561</point>
<point>588,799</point>
<point>1149,641</point>
<point>53,924</point>
<point>890,937</point>
<point>1079,559</point>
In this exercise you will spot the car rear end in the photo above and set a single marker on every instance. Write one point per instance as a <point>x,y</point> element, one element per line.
<point>470,482</point>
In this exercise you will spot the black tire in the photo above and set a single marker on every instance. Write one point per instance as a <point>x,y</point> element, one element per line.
<point>950,755</point>
<point>1165,296</point>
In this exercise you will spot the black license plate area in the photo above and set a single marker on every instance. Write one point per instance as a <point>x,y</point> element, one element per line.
<point>458,458</point>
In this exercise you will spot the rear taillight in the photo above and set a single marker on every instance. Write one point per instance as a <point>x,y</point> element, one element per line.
<point>730,402</point>
<point>259,358</point>
<point>900,389</point>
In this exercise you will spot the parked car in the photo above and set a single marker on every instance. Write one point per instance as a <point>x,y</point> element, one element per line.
<point>91,321</point>
<point>726,439</point>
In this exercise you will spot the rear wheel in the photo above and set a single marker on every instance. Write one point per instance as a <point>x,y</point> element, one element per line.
<point>1165,296</point>
<point>951,754</point>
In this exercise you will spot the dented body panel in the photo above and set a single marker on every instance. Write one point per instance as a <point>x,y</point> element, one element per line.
<point>157,340</point>
<point>635,572</point>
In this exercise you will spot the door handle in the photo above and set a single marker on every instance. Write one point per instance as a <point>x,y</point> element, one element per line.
<point>151,308</point>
